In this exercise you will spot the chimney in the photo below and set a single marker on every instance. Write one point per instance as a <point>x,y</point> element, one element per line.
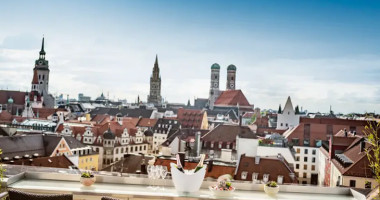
<point>240,119</point>
<point>345,133</point>
<point>362,146</point>
<point>257,160</point>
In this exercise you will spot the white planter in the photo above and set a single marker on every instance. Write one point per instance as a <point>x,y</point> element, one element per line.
<point>87,181</point>
<point>187,182</point>
<point>271,190</point>
<point>221,193</point>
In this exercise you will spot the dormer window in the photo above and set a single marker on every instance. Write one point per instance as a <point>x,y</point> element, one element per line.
<point>266,178</point>
<point>255,176</point>
<point>244,175</point>
<point>280,179</point>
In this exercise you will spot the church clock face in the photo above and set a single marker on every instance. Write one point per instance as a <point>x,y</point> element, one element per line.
<point>231,85</point>
<point>215,85</point>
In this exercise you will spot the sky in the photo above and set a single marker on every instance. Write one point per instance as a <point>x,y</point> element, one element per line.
<point>320,53</point>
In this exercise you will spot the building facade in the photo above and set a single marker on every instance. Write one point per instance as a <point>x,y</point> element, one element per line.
<point>287,118</point>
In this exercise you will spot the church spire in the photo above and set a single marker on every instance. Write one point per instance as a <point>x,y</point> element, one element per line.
<point>42,52</point>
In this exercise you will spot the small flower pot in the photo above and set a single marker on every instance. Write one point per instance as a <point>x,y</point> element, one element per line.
<point>87,181</point>
<point>271,190</point>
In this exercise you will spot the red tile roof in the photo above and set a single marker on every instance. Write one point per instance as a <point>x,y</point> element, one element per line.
<point>216,171</point>
<point>232,98</point>
<point>17,96</point>
<point>5,117</point>
<point>146,122</point>
<point>190,118</point>
<point>265,166</point>
<point>44,112</point>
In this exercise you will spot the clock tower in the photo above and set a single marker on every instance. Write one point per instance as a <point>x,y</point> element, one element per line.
<point>214,86</point>
<point>155,86</point>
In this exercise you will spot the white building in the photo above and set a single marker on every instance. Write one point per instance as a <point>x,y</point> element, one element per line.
<point>287,118</point>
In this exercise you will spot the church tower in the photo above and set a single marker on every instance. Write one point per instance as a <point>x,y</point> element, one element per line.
<point>231,77</point>
<point>155,86</point>
<point>214,86</point>
<point>40,81</point>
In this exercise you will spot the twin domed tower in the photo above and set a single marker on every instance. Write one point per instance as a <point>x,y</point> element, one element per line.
<point>214,87</point>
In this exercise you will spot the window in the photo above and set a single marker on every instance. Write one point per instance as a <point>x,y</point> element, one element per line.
<point>212,145</point>
<point>304,182</point>
<point>305,159</point>
<point>305,167</point>
<point>297,158</point>
<point>280,179</point>
<point>352,183</point>
<point>313,167</point>
<point>282,124</point>
<point>90,159</point>
<point>266,178</point>
<point>306,151</point>
<point>295,142</point>
<point>304,175</point>
<point>286,124</point>
<point>244,175</point>
<point>368,184</point>
<point>220,145</point>
<point>314,151</point>
<point>298,150</point>
<point>313,160</point>
<point>297,166</point>
<point>255,176</point>
<point>329,130</point>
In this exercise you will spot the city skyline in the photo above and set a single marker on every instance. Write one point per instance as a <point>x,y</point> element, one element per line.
<point>341,70</point>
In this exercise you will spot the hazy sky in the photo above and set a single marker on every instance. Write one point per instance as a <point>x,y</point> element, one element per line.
<point>320,53</point>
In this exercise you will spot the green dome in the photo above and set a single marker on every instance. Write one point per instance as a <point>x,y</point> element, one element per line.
<point>10,100</point>
<point>215,66</point>
<point>231,67</point>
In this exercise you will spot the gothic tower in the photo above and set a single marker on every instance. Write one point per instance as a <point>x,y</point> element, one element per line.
<point>40,81</point>
<point>155,86</point>
<point>214,86</point>
<point>231,77</point>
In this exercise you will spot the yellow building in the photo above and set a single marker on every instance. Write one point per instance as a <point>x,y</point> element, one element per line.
<point>89,161</point>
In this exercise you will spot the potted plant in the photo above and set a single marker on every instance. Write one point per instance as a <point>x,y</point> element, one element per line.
<point>271,188</point>
<point>87,178</point>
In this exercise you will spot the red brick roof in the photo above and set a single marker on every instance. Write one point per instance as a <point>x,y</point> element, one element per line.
<point>190,118</point>
<point>232,98</point>
<point>52,162</point>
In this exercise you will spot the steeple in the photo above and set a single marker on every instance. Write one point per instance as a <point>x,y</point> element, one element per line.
<point>156,69</point>
<point>42,52</point>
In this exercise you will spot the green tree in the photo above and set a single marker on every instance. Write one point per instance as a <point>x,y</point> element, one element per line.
<point>2,170</point>
<point>372,131</point>
<point>297,110</point>
<point>279,109</point>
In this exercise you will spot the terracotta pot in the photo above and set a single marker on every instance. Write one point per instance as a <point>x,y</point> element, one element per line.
<point>87,181</point>
<point>271,190</point>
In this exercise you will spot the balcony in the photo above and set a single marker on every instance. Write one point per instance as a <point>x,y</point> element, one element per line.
<point>135,186</point>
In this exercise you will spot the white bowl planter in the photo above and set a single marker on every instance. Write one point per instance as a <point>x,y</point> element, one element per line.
<point>271,190</point>
<point>221,193</point>
<point>87,181</point>
<point>187,182</point>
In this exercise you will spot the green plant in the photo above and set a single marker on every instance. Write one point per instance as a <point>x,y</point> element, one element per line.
<point>372,131</point>
<point>87,174</point>
<point>272,184</point>
<point>2,170</point>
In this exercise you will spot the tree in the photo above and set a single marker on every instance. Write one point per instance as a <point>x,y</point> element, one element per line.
<point>279,109</point>
<point>2,170</point>
<point>372,131</point>
<point>297,110</point>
